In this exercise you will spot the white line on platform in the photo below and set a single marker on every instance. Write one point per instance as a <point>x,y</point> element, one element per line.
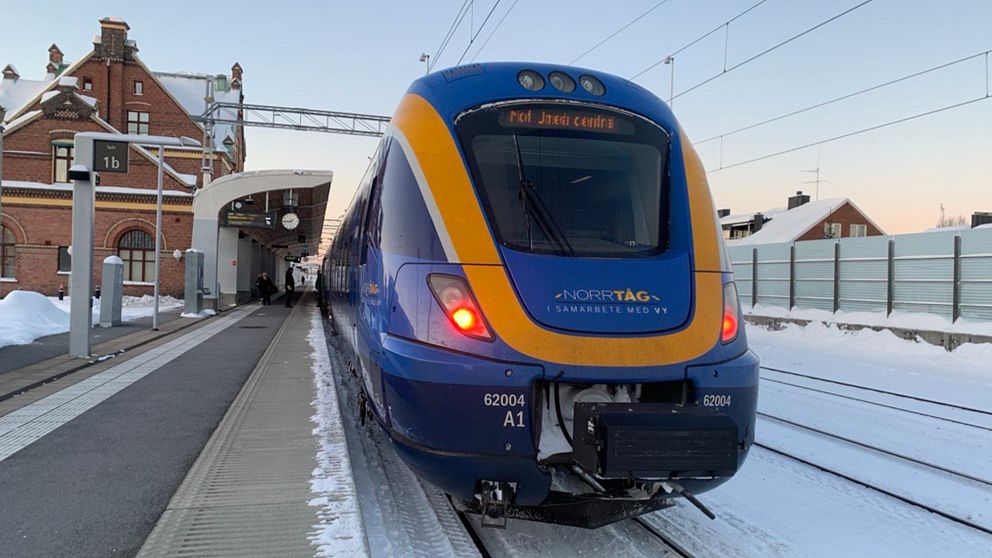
<point>29,424</point>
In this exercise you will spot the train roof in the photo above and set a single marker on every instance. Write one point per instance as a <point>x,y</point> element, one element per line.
<point>454,90</point>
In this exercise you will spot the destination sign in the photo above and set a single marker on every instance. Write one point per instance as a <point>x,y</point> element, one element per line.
<point>249,220</point>
<point>563,119</point>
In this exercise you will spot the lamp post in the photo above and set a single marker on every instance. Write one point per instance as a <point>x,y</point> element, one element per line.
<point>670,61</point>
<point>426,58</point>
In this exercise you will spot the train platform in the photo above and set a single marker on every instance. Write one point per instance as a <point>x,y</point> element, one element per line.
<point>196,442</point>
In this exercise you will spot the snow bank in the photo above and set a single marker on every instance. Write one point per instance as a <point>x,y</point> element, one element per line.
<point>904,320</point>
<point>201,314</point>
<point>341,531</point>
<point>26,316</point>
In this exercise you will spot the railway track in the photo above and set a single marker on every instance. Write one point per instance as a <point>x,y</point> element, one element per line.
<point>875,487</point>
<point>878,449</point>
<point>934,406</point>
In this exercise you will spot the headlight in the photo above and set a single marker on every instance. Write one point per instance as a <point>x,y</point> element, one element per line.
<point>530,80</point>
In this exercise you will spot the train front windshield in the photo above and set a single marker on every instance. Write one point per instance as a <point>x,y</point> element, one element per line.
<point>570,180</point>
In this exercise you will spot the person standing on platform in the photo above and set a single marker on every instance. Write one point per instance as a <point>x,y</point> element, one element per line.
<point>265,288</point>
<point>319,287</point>
<point>290,287</point>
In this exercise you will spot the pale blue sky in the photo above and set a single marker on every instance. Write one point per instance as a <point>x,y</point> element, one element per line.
<point>361,56</point>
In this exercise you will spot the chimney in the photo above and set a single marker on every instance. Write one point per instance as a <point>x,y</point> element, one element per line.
<point>757,222</point>
<point>721,213</point>
<point>981,218</point>
<point>10,72</point>
<point>236,76</point>
<point>798,199</point>
<point>55,55</point>
<point>113,39</point>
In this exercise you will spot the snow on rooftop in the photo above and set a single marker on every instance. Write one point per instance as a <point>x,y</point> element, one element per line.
<point>14,94</point>
<point>788,225</point>
<point>190,89</point>
<point>68,81</point>
<point>60,187</point>
<point>22,118</point>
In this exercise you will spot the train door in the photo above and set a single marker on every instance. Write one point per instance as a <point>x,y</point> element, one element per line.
<point>371,293</point>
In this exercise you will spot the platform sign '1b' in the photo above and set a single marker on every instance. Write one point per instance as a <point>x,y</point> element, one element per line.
<point>110,156</point>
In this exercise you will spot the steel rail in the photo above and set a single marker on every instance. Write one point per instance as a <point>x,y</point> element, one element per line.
<point>889,493</point>
<point>878,390</point>
<point>877,449</point>
<point>869,401</point>
<point>679,549</point>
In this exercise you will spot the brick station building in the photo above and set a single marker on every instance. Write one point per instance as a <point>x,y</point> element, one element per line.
<point>109,89</point>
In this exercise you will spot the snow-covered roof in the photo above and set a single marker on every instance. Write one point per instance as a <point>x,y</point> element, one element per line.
<point>59,187</point>
<point>14,94</point>
<point>787,225</point>
<point>190,89</point>
<point>15,123</point>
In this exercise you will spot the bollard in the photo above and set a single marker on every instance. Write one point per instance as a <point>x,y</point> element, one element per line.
<point>193,282</point>
<point>113,285</point>
<point>61,293</point>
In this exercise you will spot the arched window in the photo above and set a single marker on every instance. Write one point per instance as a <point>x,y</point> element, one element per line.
<point>137,249</point>
<point>7,263</point>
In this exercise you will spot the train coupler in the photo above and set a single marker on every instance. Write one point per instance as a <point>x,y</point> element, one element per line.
<point>494,498</point>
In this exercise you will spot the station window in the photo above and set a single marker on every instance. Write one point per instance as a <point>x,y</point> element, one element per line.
<point>87,84</point>
<point>61,161</point>
<point>831,230</point>
<point>137,122</point>
<point>139,88</point>
<point>137,249</point>
<point>859,230</point>
<point>7,263</point>
<point>65,260</point>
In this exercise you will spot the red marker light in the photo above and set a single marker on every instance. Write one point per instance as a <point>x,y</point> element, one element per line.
<point>463,318</point>
<point>454,296</point>
<point>729,326</point>
<point>731,314</point>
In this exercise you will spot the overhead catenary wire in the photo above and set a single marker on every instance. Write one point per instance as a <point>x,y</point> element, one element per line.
<point>693,42</point>
<point>851,95</point>
<point>472,38</point>
<point>617,32</point>
<point>459,17</point>
<point>493,32</point>
<point>853,133</point>
<point>773,48</point>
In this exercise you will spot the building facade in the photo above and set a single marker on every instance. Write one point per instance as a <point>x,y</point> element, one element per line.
<point>110,90</point>
<point>801,219</point>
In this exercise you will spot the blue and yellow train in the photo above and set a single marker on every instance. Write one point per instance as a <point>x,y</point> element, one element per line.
<point>532,285</point>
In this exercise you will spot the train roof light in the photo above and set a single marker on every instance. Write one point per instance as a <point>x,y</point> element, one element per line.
<point>592,85</point>
<point>454,296</point>
<point>530,80</point>
<point>562,82</point>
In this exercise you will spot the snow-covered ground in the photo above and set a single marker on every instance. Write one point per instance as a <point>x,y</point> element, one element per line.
<point>26,315</point>
<point>898,319</point>
<point>881,447</point>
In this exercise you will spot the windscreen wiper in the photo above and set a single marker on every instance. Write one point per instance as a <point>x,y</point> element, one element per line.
<point>533,204</point>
